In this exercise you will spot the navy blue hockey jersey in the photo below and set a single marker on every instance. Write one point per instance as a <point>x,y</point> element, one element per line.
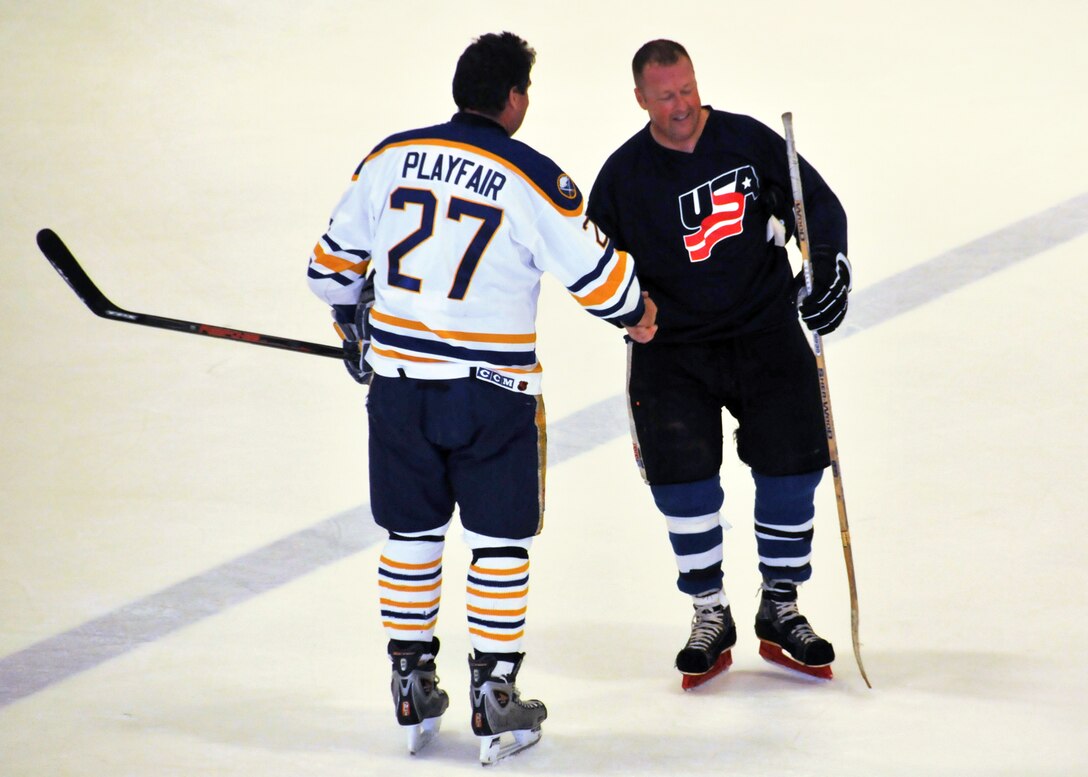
<point>697,226</point>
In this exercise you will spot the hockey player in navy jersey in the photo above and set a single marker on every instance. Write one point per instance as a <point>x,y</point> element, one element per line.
<point>457,223</point>
<point>699,197</point>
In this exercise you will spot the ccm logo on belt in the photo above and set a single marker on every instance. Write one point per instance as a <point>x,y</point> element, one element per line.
<point>502,381</point>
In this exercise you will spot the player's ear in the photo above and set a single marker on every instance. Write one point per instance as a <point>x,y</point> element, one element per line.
<point>640,98</point>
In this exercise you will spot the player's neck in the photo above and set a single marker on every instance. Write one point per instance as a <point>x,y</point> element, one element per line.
<point>686,145</point>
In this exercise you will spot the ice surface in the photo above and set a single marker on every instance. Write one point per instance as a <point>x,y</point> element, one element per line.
<point>186,568</point>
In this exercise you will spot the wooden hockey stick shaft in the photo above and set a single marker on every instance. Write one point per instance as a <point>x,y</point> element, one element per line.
<point>825,393</point>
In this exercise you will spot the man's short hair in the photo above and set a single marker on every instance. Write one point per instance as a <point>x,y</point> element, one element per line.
<point>488,69</point>
<point>657,52</point>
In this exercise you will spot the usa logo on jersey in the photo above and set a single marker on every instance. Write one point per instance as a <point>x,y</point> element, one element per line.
<point>714,211</point>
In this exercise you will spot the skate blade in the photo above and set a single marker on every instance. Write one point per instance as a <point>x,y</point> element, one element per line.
<point>725,660</point>
<point>421,734</point>
<point>496,747</point>
<point>773,653</point>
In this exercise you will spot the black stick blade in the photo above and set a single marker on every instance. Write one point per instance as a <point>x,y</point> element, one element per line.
<point>66,265</point>
<point>64,262</point>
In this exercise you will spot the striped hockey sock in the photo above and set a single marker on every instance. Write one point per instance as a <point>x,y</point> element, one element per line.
<point>697,546</point>
<point>410,583</point>
<point>784,513</point>
<point>693,517</point>
<point>497,596</point>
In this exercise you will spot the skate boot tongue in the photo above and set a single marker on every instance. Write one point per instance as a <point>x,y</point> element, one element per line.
<point>506,670</point>
<point>780,591</point>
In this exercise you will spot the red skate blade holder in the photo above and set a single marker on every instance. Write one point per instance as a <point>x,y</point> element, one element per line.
<point>725,660</point>
<point>773,653</point>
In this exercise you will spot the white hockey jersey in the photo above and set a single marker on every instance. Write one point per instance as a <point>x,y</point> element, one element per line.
<point>459,221</point>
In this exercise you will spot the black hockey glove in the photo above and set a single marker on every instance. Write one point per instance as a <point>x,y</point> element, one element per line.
<point>356,335</point>
<point>825,308</point>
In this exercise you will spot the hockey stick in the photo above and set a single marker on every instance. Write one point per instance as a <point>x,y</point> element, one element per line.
<point>65,263</point>
<point>825,394</point>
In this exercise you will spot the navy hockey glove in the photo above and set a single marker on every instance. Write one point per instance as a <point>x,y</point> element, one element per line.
<point>356,333</point>
<point>825,308</point>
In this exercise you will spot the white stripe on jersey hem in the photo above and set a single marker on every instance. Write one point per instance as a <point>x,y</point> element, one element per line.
<point>512,381</point>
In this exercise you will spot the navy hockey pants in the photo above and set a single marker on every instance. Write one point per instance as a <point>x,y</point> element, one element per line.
<point>435,444</point>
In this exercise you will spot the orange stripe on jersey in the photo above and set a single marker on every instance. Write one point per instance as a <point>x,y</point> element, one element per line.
<point>401,565</point>
<point>336,264</point>
<point>608,289</point>
<point>390,353</point>
<point>477,150</point>
<point>446,334</point>
<point>514,571</point>
<point>497,594</point>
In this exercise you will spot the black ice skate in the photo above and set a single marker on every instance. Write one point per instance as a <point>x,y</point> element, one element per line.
<point>780,627</point>
<point>504,723</point>
<point>708,652</point>
<point>418,700</point>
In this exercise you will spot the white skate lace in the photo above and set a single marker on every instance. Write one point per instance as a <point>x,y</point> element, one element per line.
<point>706,625</point>
<point>786,611</point>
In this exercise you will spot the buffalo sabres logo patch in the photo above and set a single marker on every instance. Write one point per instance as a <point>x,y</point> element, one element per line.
<point>566,186</point>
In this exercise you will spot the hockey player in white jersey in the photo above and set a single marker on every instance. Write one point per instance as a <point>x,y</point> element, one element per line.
<point>457,222</point>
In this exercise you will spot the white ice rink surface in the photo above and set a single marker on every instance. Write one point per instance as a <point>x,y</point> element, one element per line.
<point>187,567</point>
